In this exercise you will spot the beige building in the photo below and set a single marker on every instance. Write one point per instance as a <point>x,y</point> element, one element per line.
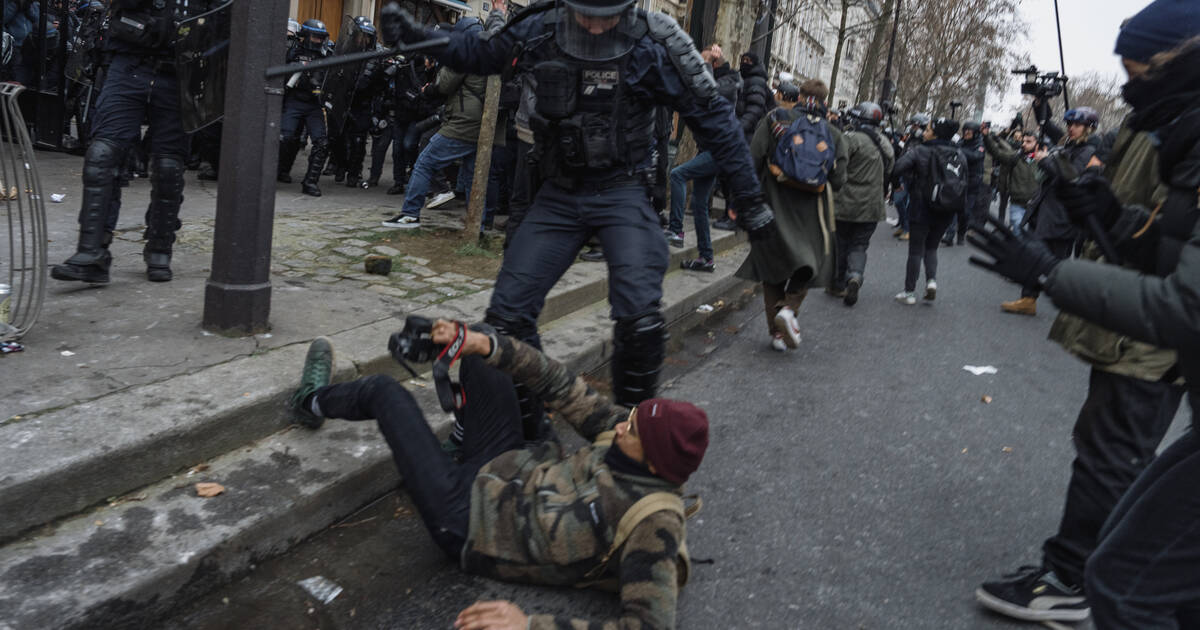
<point>806,38</point>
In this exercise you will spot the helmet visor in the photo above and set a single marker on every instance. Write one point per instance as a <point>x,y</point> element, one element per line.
<point>587,36</point>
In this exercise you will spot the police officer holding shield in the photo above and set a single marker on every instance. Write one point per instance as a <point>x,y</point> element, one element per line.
<point>601,68</point>
<point>141,84</point>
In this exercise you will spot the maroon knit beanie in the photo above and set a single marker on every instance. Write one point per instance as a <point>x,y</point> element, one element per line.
<point>674,436</point>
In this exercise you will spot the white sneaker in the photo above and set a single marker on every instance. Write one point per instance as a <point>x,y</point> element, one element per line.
<point>439,199</point>
<point>907,297</point>
<point>931,290</point>
<point>777,343</point>
<point>785,321</point>
<point>403,221</point>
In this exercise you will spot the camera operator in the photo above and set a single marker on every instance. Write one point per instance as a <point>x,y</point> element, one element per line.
<point>1018,171</point>
<point>491,512</point>
<point>1076,147</point>
<point>1142,573</point>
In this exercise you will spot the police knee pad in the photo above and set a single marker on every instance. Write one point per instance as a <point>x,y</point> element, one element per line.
<point>639,347</point>
<point>101,162</point>
<point>516,327</point>
<point>166,174</point>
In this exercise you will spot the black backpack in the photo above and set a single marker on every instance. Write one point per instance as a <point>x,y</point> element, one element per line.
<point>946,188</point>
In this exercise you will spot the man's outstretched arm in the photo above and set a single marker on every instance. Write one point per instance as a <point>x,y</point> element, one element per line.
<point>589,412</point>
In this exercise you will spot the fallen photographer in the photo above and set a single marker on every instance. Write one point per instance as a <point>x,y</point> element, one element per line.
<point>606,515</point>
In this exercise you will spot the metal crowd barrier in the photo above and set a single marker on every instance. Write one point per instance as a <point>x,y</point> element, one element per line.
<point>23,251</point>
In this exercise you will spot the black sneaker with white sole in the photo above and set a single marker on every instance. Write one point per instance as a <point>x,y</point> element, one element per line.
<point>1034,593</point>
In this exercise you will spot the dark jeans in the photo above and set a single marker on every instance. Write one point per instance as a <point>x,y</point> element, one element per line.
<point>852,242</point>
<point>1002,209</point>
<point>440,487</point>
<point>403,137</point>
<point>702,170</point>
<point>559,222</point>
<point>1116,434</point>
<point>1061,249</point>
<point>901,199</point>
<point>923,242</point>
<point>1144,572</point>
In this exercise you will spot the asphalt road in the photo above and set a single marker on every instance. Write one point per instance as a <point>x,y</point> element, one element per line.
<point>860,481</point>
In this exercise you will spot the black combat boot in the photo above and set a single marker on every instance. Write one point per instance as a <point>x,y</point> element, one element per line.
<point>162,217</point>
<point>316,159</point>
<point>91,260</point>
<point>288,149</point>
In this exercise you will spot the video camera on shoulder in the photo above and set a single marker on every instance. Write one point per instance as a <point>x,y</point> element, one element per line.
<point>1043,85</point>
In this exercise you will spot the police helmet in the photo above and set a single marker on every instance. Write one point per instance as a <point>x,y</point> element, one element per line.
<point>1082,115</point>
<point>945,128</point>
<point>971,126</point>
<point>919,120</point>
<point>367,27</point>
<point>293,30</point>
<point>313,27</point>
<point>867,113</point>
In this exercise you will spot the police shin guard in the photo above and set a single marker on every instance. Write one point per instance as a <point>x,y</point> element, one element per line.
<point>316,161</point>
<point>288,149</point>
<point>534,423</point>
<point>92,259</point>
<point>639,346</point>
<point>162,217</point>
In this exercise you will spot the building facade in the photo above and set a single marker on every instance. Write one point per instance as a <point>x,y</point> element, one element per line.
<point>805,39</point>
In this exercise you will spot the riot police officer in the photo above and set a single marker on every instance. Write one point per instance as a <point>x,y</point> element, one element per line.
<point>140,84</point>
<point>304,103</point>
<point>601,68</point>
<point>369,83</point>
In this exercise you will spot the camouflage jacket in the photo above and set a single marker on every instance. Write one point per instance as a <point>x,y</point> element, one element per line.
<point>1132,168</point>
<point>541,516</point>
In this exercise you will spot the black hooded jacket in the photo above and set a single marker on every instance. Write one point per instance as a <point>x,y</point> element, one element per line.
<point>756,98</point>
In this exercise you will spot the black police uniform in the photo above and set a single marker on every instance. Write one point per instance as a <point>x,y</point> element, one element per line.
<point>593,127</point>
<point>370,82</point>
<point>140,85</point>
<point>304,104</point>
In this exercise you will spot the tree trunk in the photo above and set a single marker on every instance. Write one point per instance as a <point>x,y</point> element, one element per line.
<point>837,53</point>
<point>866,81</point>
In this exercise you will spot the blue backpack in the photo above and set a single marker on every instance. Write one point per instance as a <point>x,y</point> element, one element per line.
<point>804,151</point>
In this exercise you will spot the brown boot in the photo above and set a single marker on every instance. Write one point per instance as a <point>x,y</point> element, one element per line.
<point>1023,306</point>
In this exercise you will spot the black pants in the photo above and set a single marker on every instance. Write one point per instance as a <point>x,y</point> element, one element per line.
<point>1119,427</point>
<point>923,240</point>
<point>1061,248</point>
<point>852,242</point>
<point>440,487</point>
<point>1143,575</point>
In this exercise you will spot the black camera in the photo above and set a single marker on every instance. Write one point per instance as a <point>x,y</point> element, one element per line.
<point>1043,85</point>
<point>414,342</point>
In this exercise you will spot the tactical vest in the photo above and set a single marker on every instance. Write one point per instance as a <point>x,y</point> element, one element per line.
<point>586,124</point>
<point>149,26</point>
<point>305,86</point>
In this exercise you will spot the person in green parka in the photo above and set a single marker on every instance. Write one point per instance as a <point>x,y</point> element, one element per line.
<point>801,252</point>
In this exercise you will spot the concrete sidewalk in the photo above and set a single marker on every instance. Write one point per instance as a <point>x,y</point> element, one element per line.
<point>120,400</point>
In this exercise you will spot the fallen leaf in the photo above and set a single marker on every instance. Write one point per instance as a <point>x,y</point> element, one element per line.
<point>199,468</point>
<point>964,451</point>
<point>987,400</point>
<point>208,490</point>
<point>731,330</point>
<point>99,523</point>
<point>1007,449</point>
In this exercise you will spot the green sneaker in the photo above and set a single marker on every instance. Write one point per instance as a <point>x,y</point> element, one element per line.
<point>318,369</point>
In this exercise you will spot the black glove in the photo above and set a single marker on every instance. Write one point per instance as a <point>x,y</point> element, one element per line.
<point>757,220</point>
<point>1025,261</point>
<point>399,26</point>
<point>1041,110</point>
<point>1089,195</point>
